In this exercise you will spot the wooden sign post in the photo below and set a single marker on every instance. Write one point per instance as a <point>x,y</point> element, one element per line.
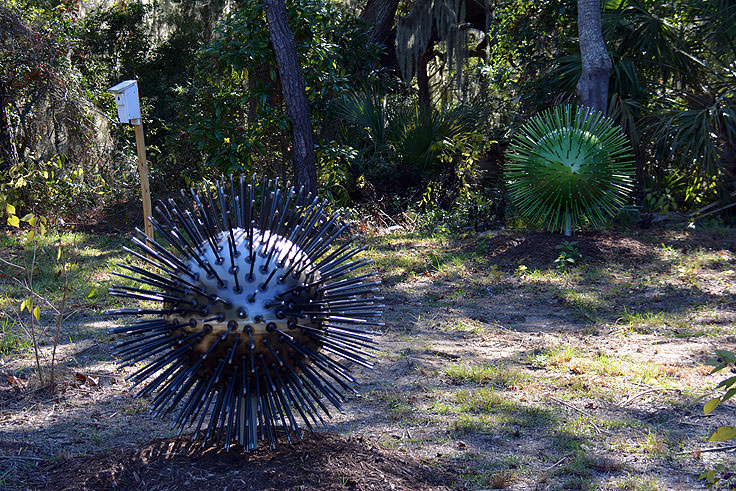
<point>140,144</point>
<point>129,111</point>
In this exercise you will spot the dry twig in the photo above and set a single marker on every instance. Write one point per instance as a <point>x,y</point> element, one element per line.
<point>656,389</point>
<point>706,450</point>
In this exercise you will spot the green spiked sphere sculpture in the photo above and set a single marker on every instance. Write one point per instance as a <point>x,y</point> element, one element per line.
<point>255,312</point>
<point>568,167</point>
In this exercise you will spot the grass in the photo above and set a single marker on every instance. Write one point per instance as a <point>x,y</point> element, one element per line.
<point>653,443</point>
<point>12,341</point>
<point>495,395</point>
<point>636,483</point>
<point>587,303</point>
<point>484,374</point>
<point>464,326</point>
<point>480,400</point>
<point>554,357</point>
<point>91,260</point>
<point>499,473</point>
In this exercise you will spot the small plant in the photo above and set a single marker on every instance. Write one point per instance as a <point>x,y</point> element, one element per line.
<point>569,166</point>
<point>720,475</point>
<point>31,325</point>
<point>569,254</point>
<point>725,359</point>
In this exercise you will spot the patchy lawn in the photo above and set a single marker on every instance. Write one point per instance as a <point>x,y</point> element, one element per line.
<point>497,369</point>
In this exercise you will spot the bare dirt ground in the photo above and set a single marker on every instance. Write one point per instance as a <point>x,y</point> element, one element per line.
<point>496,370</point>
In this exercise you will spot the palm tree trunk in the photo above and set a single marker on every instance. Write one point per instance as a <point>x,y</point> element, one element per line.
<point>592,89</point>
<point>295,95</point>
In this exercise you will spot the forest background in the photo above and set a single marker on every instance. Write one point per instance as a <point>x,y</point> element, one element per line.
<point>412,103</point>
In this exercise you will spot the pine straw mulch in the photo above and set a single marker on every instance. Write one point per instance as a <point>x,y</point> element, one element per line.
<point>513,247</point>
<point>539,248</point>
<point>319,462</point>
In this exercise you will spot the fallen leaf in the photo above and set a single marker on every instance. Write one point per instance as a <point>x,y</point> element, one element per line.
<point>13,380</point>
<point>87,379</point>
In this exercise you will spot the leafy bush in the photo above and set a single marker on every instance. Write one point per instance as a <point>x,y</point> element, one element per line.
<point>420,158</point>
<point>239,119</point>
<point>51,188</point>
<point>55,147</point>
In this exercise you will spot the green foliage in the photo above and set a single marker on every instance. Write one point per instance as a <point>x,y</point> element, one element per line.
<point>671,88</point>
<point>11,340</point>
<point>52,188</point>
<point>59,145</point>
<point>124,41</point>
<point>333,173</point>
<point>570,167</point>
<point>117,41</point>
<point>239,119</point>
<point>530,37</point>
<point>725,359</point>
<point>569,254</point>
<point>424,158</point>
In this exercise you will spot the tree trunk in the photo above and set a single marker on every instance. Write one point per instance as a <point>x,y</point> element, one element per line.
<point>295,95</point>
<point>425,97</point>
<point>8,150</point>
<point>592,89</point>
<point>379,14</point>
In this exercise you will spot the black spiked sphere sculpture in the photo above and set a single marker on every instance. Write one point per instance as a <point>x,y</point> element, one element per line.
<point>260,313</point>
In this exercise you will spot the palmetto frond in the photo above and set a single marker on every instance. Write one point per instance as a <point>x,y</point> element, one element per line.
<point>420,134</point>
<point>367,110</point>
<point>700,128</point>
<point>569,166</point>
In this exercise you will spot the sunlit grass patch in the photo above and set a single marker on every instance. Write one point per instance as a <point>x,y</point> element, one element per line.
<point>397,264</point>
<point>707,259</point>
<point>478,400</point>
<point>443,407</point>
<point>549,276</point>
<point>578,426</point>
<point>485,374</point>
<point>465,326</point>
<point>88,258</point>
<point>643,318</point>
<point>646,372</point>
<point>444,264</point>
<point>653,443</point>
<point>599,372</point>
<point>479,473</point>
<point>635,483</point>
<point>679,324</point>
<point>13,341</point>
<point>554,357</point>
<point>399,411</point>
<point>585,301</point>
